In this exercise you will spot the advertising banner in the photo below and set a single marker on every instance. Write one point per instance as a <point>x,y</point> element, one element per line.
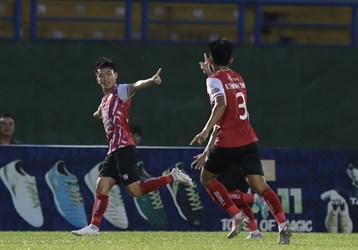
<point>52,188</point>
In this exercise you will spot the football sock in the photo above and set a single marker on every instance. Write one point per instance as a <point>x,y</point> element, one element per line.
<point>155,183</point>
<point>99,207</point>
<point>252,226</point>
<point>274,205</point>
<point>240,198</point>
<point>220,196</point>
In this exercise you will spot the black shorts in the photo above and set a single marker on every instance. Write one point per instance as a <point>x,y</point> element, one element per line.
<point>246,157</point>
<point>121,165</point>
<point>234,178</point>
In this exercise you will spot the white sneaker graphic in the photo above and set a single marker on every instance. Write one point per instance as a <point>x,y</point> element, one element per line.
<point>181,177</point>
<point>87,231</point>
<point>24,194</point>
<point>116,212</point>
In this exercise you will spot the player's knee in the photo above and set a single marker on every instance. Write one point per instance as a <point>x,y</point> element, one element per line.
<point>134,190</point>
<point>102,190</point>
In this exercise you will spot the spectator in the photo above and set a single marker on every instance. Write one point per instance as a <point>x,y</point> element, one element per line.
<point>136,134</point>
<point>7,129</point>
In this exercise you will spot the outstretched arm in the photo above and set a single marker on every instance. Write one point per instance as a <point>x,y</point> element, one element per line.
<point>142,84</point>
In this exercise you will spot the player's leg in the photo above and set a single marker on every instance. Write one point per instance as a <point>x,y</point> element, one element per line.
<point>255,176</point>
<point>234,179</point>
<point>219,160</point>
<point>108,177</point>
<point>126,159</point>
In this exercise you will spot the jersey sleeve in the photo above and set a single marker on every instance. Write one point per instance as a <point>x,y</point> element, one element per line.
<point>122,91</point>
<point>214,88</point>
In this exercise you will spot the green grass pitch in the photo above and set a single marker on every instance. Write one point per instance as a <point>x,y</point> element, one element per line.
<point>172,240</point>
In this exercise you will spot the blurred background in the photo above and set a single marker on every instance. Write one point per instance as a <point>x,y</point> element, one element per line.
<point>299,60</point>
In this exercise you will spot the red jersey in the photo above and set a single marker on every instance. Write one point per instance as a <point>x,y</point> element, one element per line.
<point>235,129</point>
<point>115,108</point>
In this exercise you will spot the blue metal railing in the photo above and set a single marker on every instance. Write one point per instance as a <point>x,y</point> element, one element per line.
<point>239,24</point>
<point>15,18</point>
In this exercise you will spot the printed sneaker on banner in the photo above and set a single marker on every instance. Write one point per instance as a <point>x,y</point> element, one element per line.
<point>116,212</point>
<point>66,194</point>
<point>186,199</point>
<point>24,193</point>
<point>261,204</point>
<point>150,206</point>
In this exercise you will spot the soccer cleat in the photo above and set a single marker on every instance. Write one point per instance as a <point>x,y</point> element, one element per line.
<point>150,206</point>
<point>260,203</point>
<point>239,221</point>
<point>24,193</point>
<point>90,230</point>
<point>116,212</point>
<point>254,235</point>
<point>180,176</point>
<point>66,194</point>
<point>285,233</point>
<point>186,198</point>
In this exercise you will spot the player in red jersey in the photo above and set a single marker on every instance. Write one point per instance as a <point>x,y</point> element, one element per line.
<point>235,142</point>
<point>234,181</point>
<point>120,163</point>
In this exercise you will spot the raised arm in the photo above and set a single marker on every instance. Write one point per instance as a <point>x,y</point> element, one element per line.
<point>142,84</point>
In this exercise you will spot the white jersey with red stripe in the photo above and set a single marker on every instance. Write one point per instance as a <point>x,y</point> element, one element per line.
<point>115,108</point>
<point>234,126</point>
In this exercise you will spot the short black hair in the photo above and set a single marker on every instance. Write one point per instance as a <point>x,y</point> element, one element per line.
<point>7,115</point>
<point>352,162</point>
<point>135,130</point>
<point>105,62</point>
<point>220,51</point>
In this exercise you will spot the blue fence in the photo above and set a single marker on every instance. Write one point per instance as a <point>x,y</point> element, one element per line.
<point>51,188</point>
<point>244,21</point>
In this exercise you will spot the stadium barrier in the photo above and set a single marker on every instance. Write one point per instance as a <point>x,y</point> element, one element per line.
<point>50,188</point>
<point>258,22</point>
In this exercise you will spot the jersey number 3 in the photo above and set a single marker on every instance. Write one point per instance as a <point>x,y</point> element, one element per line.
<point>242,105</point>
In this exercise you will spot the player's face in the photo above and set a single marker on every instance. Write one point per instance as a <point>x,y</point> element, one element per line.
<point>107,78</point>
<point>7,126</point>
<point>352,171</point>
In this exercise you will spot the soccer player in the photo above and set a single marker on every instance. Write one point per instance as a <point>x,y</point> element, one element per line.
<point>234,181</point>
<point>7,129</point>
<point>120,164</point>
<point>236,141</point>
<point>342,208</point>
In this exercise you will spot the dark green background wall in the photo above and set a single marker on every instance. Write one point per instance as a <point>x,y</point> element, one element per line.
<point>298,97</point>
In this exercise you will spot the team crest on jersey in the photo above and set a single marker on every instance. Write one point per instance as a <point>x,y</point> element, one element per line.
<point>214,91</point>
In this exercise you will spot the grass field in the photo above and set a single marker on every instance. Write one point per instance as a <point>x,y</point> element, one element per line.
<point>172,240</point>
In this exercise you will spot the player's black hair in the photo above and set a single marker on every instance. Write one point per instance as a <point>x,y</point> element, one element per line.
<point>220,51</point>
<point>352,162</point>
<point>105,62</point>
<point>135,130</point>
<point>7,115</point>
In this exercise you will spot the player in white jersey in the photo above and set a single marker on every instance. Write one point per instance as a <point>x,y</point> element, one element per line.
<point>120,164</point>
